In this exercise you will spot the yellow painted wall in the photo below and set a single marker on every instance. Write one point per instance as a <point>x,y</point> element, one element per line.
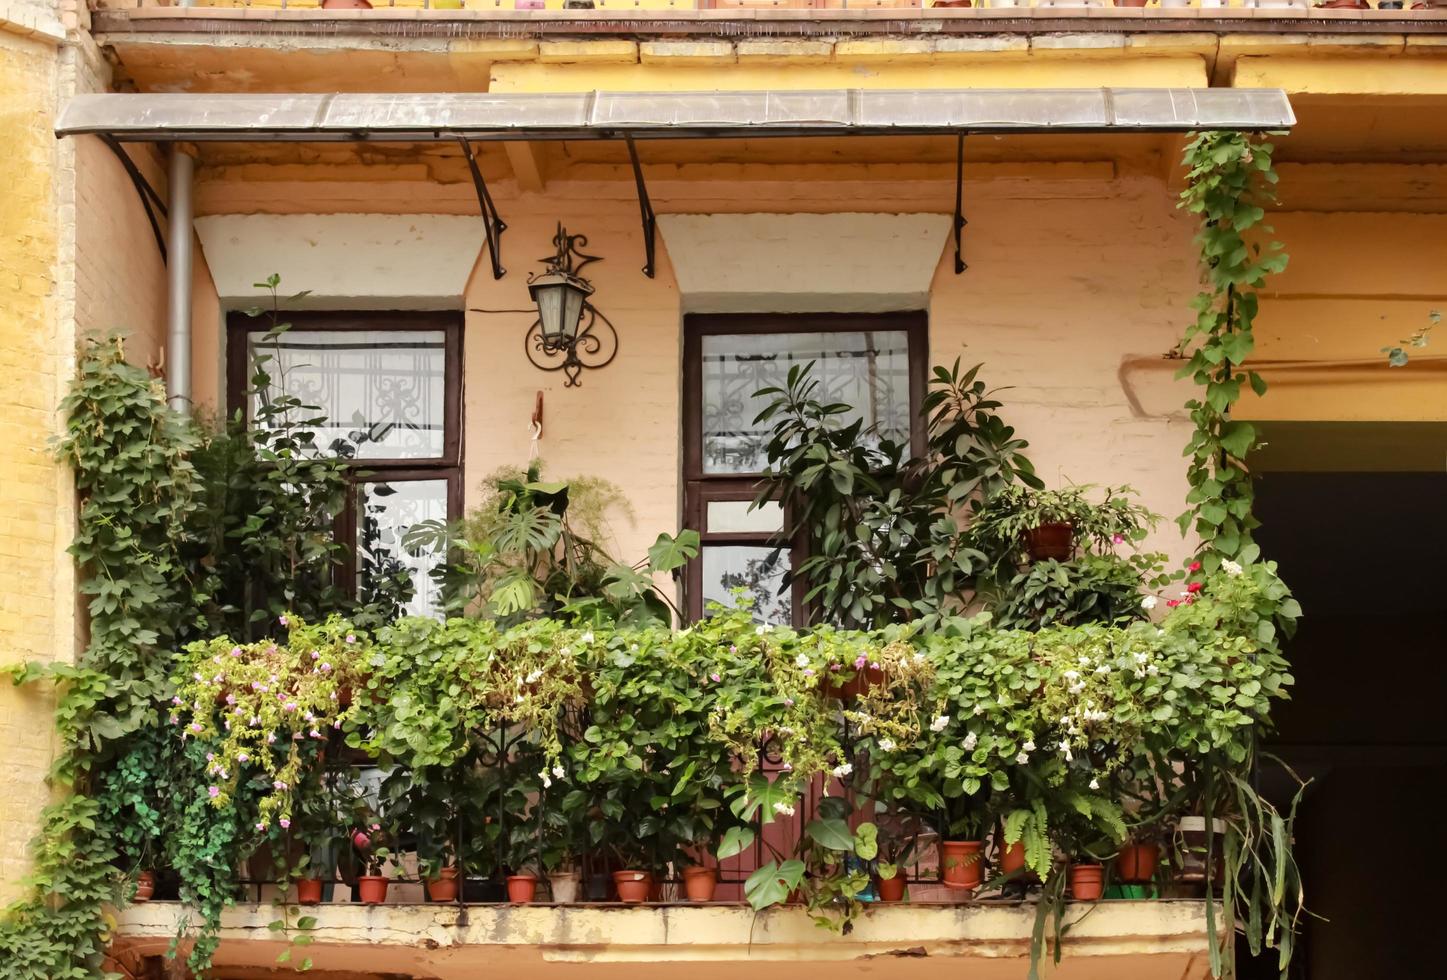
<point>35,359</point>
<point>1355,283</point>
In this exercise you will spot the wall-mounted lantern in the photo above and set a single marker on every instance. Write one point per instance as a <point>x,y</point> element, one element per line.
<point>567,335</point>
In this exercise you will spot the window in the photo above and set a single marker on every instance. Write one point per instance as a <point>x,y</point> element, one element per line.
<point>389,387</point>
<point>875,363</point>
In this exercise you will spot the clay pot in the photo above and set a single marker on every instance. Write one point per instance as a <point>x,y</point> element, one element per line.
<point>633,886</point>
<point>699,883</point>
<point>521,888</point>
<point>1087,882</point>
<point>563,887</point>
<point>145,886</point>
<point>309,891</point>
<point>1136,863</point>
<point>372,889</point>
<point>864,678</point>
<point>1053,540</point>
<point>1192,832</point>
<point>1130,3</point>
<point>346,5</point>
<point>1344,5</point>
<point>891,889</point>
<point>1012,859</point>
<point>962,863</point>
<point>445,886</point>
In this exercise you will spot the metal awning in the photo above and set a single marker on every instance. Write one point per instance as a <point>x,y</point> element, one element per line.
<point>426,117</point>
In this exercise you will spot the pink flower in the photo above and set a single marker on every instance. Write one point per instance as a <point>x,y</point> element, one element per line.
<point>326,667</point>
<point>210,756</point>
<point>176,701</point>
<point>243,757</point>
<point>175,719</point>
<point>213,791</point>
<point>789,702</point>
<point>1194,587</point>
<point>860,661</point>
<point>236,651</point>
<point>230,699</point>
<point>361,841</point>
<point>808,672</point>
<point>833,666</point>
<point>1118,538</point>
<point>289,706</point>
<point>285,823</point>
<point>278,784</point>
<point>196,727</point>
<point>261,826</point>
<point>715,678</point>
<point>1194,566</point>
<point>315,655</point>
<point>282,620</point>
<point>351,638</point>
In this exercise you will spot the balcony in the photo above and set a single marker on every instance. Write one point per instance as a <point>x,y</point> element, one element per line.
<point>1121,939</point>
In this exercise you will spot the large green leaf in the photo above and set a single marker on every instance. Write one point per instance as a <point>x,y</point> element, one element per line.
<point>772,883</point>
<point>736,840</point>
<point>668,553</point>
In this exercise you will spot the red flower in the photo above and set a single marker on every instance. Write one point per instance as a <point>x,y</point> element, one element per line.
<point>1195,566</point>
<point>1194,587</point>
<point>1172,603</point>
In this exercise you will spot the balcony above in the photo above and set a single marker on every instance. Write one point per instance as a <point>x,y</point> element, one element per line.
<point>1117,939</point>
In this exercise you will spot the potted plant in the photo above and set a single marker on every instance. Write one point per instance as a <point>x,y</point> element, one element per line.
<point>1052,524</point>
<point>369,843</point>
<point>1138,859</point>
<point>898,839</point>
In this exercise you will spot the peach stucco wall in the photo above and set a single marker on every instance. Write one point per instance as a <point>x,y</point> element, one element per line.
<point>1058,290</point>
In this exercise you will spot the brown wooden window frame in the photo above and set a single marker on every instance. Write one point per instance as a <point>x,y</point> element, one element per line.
<point>446,467</point>
<point>700,488</point>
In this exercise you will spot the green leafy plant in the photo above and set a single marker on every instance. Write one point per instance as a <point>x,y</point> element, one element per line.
<point>1006,517</point>
<point>1397,355</point>
<point>1090,589</point>
<point>886,534</point>
<point>535,548</point>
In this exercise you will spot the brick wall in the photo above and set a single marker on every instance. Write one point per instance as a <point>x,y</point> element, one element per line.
<point>34,590</point>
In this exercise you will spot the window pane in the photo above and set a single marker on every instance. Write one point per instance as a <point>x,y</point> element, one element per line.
<point>758,569</point>
<point>868,370</point>
<point>382,392</point>
<point>384,513</point>
<point>728,516</point>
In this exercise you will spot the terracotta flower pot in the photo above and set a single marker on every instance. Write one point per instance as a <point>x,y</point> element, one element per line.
<point>445,886</point>
<point>521,888</point>
<point>1136,863</point>
<point>372,889</point>
<point>309,891</point>
<point>1087,882</point>
<point>962,863</point>
<point>1193,845</point>
<point>1053,540</point>
<point>563,886</point>
<point>633,886</point>
<point>145,886</point>
<point>891,889</point>
<point>1012,859</point>
<point>346,5</point>
<point>699,883</point>
<point>864,679</point>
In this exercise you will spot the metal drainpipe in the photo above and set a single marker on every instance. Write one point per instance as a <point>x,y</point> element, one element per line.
<point>178,316</point>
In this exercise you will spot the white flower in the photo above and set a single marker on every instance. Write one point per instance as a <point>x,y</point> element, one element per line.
<point>534,677</point>
<point>1022,758</point>
<point>586,637</point>
<point>1102,669</point>
<point>1077,687</point>
<point>1153,670</point>
<point>783,809</point>
<point>802,660</point>
<point>547,780</point>
<point>1142,658</point>
<point>918,657</point>
<point>1065,748</point>
<point>558,772</point>
<point>1149,603</point>
<point>971,740</point>
<point>1071,675</point>
<point>1095,784</point>
<point>940,723</point>
<point>886,745</point>
<point>842,770</point>
<point>1029,745</point>
<point>760,631</point>
<point>1230,568</point>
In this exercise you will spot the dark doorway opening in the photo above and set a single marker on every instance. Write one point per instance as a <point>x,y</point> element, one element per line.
<point>1365,554</point>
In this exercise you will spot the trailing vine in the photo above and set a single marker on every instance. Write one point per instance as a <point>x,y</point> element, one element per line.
<point>1230,180</point>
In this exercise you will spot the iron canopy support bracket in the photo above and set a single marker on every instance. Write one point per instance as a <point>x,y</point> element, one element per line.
<point>150,199</point>
<point>645,211</point>
<point>960,222</point>
<point>492,223</point>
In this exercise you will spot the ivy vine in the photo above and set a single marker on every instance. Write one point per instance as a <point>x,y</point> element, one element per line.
<point>1230,181</point>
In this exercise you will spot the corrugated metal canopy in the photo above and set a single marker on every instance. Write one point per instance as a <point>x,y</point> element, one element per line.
<point>349,117</point>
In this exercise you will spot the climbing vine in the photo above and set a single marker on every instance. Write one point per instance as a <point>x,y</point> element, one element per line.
<point>136,490</point>
<point>1230,181</point>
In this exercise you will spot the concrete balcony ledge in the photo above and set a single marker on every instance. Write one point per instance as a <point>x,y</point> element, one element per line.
<point>1116,939</point>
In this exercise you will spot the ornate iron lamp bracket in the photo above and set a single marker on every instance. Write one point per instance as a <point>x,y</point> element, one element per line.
<point>595,343</point>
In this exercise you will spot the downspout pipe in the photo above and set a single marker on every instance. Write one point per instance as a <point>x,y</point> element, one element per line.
<point>180,208</point>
